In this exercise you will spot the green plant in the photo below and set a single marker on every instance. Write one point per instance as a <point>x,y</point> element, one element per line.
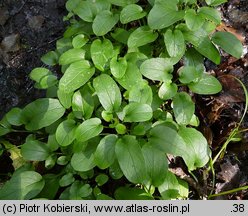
<point>122,102</point>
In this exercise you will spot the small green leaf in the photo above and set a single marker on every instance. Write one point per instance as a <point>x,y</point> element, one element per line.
<point>105,151</point>
<point>165,138</point>
<point>79,41</point>
<point>47,82</point>
<point>130,158</point>
<point>121,128</point>
<point>108,92</point>
<point>71,55</point>
<point>22,185</point>
<point>188,74</point>
<point>83,103</point>
<point>141,94</point>
<point>121,35</point>
<point>66,180</point>
<point>193,20</point>
<point>194,59</point>
<point>51,58</point>
<point>84,161</point>
<point>229,43</point>
<point>131,12</point>
<point>115,170</point>
<point>215,2</point>
<point>51,187</point>
<point>65,133</point>
<point>65,98</point>
<point>118,67</point>
<point>126,193</point>
<point>131,78</point>
<point>88,129</point>
<point>170,189</point>
<point>85,11</point>
<point>50,161</point>
<point>101,179</point>
<point>122,3</point>
<point>38,73</point>
<point>206,85</point>
<point>183,108</point>
<point>76,75</point>
<point>137,112</point>
<point>196,146</point>
<point>41,113</point>
<point>14,116</point>
<point>167,91</point>
<point>101,53</point>
<point>35,150</point>
<point>174,42</point>
<point>104,22</point>
<point>158,69</point>
<point>207,48</point>
<point>211,14</point>
<point>156,164</point>
<point>78,190</point>
<point>164,14</point>
<point>141,36</point>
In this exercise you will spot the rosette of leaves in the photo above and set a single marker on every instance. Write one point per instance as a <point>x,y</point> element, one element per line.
<point>118,108</point>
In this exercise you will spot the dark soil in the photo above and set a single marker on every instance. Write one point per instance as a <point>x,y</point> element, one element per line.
<point>30,28</point>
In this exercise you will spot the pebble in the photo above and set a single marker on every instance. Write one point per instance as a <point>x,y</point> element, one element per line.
<point>11,43</point>
<point>36,22</point>
<point>4,15</point>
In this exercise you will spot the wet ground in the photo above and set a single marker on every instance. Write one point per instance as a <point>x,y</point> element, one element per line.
<point>30,28</point>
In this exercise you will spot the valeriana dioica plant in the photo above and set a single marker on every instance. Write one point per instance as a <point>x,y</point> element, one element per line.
<point>121,103</point>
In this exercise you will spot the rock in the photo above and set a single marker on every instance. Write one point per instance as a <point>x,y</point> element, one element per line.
<point>4,15</point>
<point>36,22</point>
<point>11,43</point>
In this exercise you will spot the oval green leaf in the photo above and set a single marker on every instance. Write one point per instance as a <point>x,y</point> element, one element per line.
<point>164,14</point>
<point>174,42</point>
<point>137,112</point>
<point>51,58</point>
<point>126,193</point>
<point>131,12</point>
<point>141,36</point>
<point>14,116</point>
<point>101,53</point>
<point>41,113</point>
<point>65,133</point>
<point>118,67</point>
<point>22,186</point>
<point>105,151</point>
<point>158,69</point>
<point>108,92</point>
<point>207,48</point>
<point>88,129</point>
<point>183,108</point>
<point>206,85</point>
<point>79,41</point>
<point>229,43</point>
<point>76,75</point>
<point>167,91</point>
<point>35,150</point>
<point>156,164</point>
<point>130,158</point>
<point>71,55</point>
<point>211,14</point>
<point>104,22</point>
<point>166,139</point>
<point>193,20</point>
<point>196,146</point>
